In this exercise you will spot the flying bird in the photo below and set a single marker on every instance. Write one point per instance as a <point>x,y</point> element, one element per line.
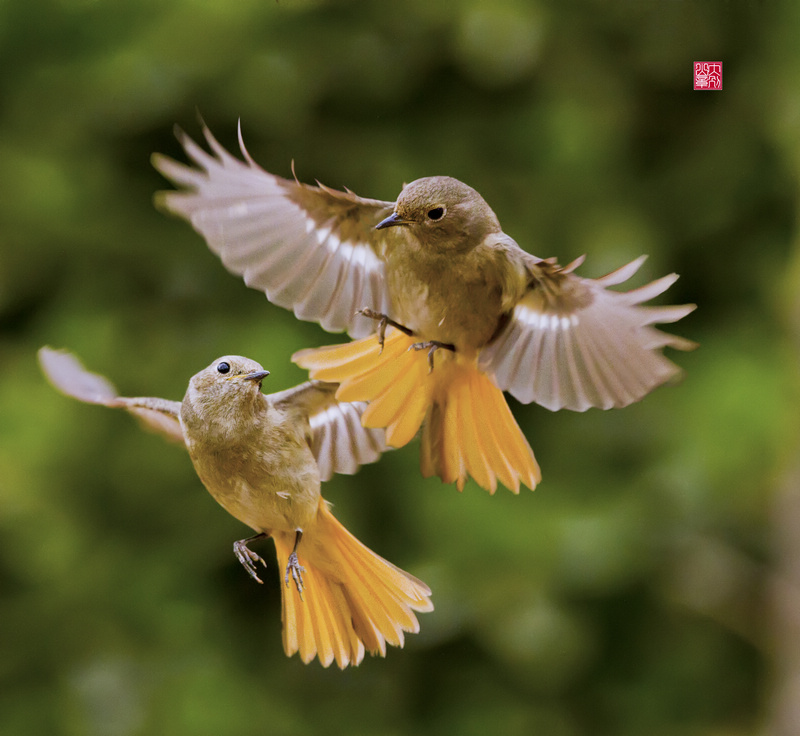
<point>262,457</point>
<point>447,311</point>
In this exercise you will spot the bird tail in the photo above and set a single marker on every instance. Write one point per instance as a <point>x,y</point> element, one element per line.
<point>468,427</point>
<point>352,600</point>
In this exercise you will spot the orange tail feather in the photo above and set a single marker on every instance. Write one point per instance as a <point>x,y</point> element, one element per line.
<point>468,428</point>
<point>353,600</point>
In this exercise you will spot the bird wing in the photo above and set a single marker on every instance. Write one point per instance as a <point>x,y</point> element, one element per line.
<point>339,442</point>
<point>68,375</point>
<point>311,249</point>
<point>572,343</point>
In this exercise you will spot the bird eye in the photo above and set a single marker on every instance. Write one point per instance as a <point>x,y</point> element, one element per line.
<point>437,213</point>
<point>223,367</point>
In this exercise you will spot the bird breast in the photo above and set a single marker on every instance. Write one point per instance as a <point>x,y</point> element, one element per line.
<point>453,298</point>
<point>269,481</point>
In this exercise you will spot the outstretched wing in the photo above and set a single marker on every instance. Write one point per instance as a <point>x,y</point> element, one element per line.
<point>572,343</point>
<point>311,249</point>
<point>68,375</point>
<point>339,442</point>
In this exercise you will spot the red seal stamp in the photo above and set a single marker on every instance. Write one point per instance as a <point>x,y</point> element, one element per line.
<point>708,75</point>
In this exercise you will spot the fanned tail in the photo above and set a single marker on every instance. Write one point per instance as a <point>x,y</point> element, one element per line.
<point>468,427</point>
<point>470,430</point>
<point>396,380</point>
<point>353,600</point>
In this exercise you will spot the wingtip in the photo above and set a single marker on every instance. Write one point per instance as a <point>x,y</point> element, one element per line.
<point>68,375</point>
<point>161,202</point>
<point>623,273</point>
<point>212,142</point>
<point>50,358</point>
<point>161,163</point>
<point>683,344</point>
<point>179,133</point>
<point>44,354</point>
<point>572,265</point>
<point>245,153</point>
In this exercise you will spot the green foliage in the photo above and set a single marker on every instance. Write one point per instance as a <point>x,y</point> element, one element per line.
<point>626,595</point>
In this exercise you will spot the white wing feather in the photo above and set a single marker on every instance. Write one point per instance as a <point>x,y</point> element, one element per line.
<point>340,443</point>
<point>260,227</point>
<point>581,345</point>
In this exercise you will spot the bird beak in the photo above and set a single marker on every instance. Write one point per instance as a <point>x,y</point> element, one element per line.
<point>256,376</point>
<point>391,221</point>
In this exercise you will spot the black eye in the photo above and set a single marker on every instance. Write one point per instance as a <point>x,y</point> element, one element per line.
<point>437,213</point>
<point>223,367</point>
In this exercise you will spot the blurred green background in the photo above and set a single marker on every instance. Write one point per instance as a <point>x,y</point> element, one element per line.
<point>650,585</point>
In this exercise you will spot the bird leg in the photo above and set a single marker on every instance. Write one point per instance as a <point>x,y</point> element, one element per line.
<point>247,557</point>
<point>432,346</point>
<point>293,567</point>
<point>383,321</point>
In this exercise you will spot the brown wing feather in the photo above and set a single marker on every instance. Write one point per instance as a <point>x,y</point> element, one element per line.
<point>311,249</point>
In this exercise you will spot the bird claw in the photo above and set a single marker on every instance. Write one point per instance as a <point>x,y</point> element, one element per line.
<point>432,346</point>
<point>383,320</point>
<point>295,570</point>
<point>247,558</point>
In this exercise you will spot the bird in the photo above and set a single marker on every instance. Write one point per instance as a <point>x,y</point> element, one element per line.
<point>262,458</point>
<point>446,310</point>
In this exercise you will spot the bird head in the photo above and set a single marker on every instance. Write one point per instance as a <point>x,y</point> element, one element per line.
<point>229,382</point>
<point>443,213</point>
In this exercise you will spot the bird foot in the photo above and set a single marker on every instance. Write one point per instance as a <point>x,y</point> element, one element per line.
<point>295,570</point>
<point>247,557</point>
<point>383,320</point>
<point>432,346</point>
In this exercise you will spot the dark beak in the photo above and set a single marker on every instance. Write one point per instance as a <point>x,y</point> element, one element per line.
<point>391,221</point>
<point>256,376</point>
